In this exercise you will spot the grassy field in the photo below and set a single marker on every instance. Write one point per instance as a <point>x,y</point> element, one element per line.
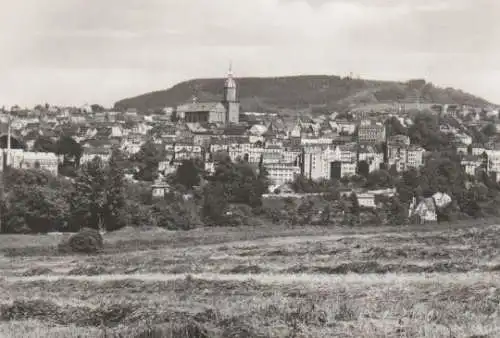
<point>257,282</point>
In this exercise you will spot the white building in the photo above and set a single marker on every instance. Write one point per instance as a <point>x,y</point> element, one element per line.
<point>372,157</point>
<point>21,159</point>
<point>415,157</point>
<point>89,154</point>
<point>281,173</point>
<point>493,161</point>
<point>318,161</point>
<point>463,138</point>
<point>402,155</point>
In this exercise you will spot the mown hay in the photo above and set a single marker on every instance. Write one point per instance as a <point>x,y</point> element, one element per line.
<point>244,269</point>
<point>48,311</point>
<point>37,271</point>
<point>240,327</point>
<point>87,241</point>
<point>187,329</point>
<point>93,270</point>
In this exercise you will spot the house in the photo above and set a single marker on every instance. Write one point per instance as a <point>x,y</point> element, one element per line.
<point>462,149</point>
<point>280,172</point>
<point>370,132</point>
<point>463,138</point>
<point>90,153</point>
<point>344,127</point>
<point>425,210</point>
<point>18,158</point>
<point>340,169</point>
<point>159,189</point>
<point>471,163</point>
<point>402,155</point>
<point>326,162</point>
<point>371,155</point>
<point>478,149</point>
<point>187,150</point>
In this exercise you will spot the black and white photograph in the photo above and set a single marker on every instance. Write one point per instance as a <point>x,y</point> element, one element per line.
<point>250,169</point>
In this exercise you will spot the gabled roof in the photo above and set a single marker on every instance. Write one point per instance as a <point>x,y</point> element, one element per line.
<point>198,107</point>
<point>235,130</point>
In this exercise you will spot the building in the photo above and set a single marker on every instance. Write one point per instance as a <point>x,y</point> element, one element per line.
<point>210,112</point>
<point>18,158</point>
<point>415,157</point>
<point>90,153</point>
<point>319,162</point>
<point>159,189</point>
<point>371,156</point>
<point>225,112</point>
<point>402,155</point>
<point>493,161</point>
<point>463,138</point>
<point>424,210</point>
<point>369,132</point>
<point>340,169</point>
<point>41,160</point>
<point>280,173</point>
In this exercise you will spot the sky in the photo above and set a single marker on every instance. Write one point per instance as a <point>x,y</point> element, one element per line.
<point>72,52</point>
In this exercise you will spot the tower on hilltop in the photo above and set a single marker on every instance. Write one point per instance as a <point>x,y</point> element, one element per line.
<point>231,99</point>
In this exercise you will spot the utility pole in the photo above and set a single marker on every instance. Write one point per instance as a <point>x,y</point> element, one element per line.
<point>5,159</point>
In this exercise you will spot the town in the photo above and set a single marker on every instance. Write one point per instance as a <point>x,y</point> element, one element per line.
<point>327,147</point>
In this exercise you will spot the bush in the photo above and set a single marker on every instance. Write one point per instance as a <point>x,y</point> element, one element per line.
<point>240,214</point>
<point>87,241</point>
<point>176,214</point>
<point>137,214</point>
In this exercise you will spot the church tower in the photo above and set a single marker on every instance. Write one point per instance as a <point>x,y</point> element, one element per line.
<point>231,99</point>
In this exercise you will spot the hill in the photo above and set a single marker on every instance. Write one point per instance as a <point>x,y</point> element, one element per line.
<point>310,93</point>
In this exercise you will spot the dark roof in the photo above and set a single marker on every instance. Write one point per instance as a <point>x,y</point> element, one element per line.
<point>235,130</point>
<point>198,107</point>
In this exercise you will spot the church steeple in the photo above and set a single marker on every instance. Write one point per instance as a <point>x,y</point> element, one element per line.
<point>230,86</point>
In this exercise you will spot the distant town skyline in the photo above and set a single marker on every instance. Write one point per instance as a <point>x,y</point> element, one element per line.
<point>70,52</point>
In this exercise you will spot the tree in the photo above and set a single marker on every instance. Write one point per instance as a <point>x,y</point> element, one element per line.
<point>241,182</point>
<point>89,196</point>
<point>35,201</point>
<point>489,130</point>
<point>425,131</point>
<point>70,149</point>
<point>355,207</point>
<point>188,174</point>
<point>148,158</point>
<point>305,211</point>
<point>45,145</point>
<point>363,168</point>
<point>379,179</point>
<point>394,127</point>
<point>96,108</point>
<point>215,203</point>
<point>115,194</point>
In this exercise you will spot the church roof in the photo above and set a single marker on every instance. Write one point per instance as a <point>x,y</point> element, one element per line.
<point>198,107</point>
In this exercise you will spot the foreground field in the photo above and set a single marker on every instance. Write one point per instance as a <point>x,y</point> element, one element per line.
<point>306,282</point>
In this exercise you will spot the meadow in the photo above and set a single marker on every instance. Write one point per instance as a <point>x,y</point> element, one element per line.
<point>431,281</point>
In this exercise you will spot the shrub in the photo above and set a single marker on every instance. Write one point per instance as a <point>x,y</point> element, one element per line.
<point>86,241</point>
<point>240,214</point>
<point>176,214</point>
<point>137,214</point>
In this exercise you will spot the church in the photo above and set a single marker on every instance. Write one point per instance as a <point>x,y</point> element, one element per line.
<point>225,112</point>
